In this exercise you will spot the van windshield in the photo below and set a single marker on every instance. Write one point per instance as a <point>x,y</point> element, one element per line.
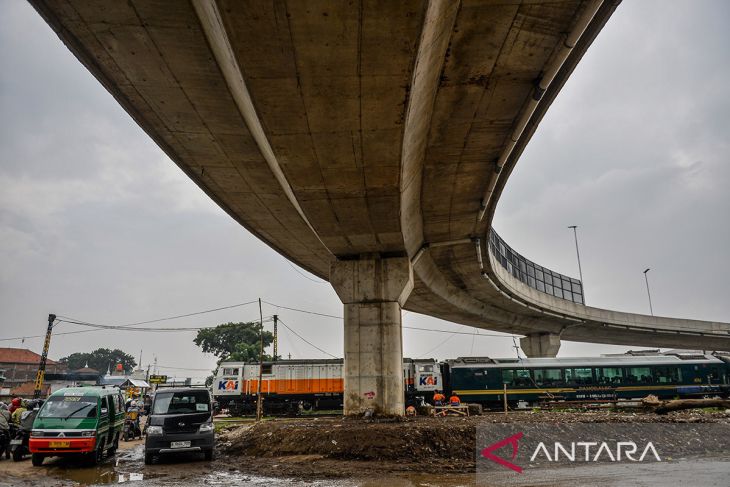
<point>71,406</point>
<point>181,402</point>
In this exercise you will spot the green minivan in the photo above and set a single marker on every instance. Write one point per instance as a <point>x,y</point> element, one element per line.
<point>78,420</point>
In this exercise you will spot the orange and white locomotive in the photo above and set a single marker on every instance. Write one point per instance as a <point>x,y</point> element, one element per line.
<point>295,386</point>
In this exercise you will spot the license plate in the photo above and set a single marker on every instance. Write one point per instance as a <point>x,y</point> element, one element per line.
<point>59,444</point>
<point>16,442</point>
<point>180,444</point>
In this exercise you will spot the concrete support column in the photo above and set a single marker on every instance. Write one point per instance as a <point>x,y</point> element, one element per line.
<point>540,345</point>
<point>373,289</point>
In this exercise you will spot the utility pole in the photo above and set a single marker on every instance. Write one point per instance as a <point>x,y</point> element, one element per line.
<point>651,310</point>
<point>580,270</point>
<point>276,336</point>
<point>42,365</point>
<point>259,405</point>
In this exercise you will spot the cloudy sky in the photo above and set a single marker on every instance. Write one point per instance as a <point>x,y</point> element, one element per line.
<point>97,224</point>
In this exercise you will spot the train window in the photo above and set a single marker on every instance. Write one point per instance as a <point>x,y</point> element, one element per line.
<point>667,375</point>
<point>425,368</point>
<point>230,371</point>
<point>267,369</point>
<point>516,378</point>
<point>609,376</point>
<point>548,377</point>
<point>639,375</point>
<point>579,377</point>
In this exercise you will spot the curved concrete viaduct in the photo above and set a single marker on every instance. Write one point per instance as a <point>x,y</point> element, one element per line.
<point>367,141</point>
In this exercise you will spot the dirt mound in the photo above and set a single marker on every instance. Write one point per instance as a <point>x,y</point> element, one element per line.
<point>358,440</point>
<point>339,447</point>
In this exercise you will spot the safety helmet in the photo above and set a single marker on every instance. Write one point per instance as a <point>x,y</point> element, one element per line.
<point>16,401</point>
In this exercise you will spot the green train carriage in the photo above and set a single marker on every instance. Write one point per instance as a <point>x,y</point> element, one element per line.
<point>530,381</point>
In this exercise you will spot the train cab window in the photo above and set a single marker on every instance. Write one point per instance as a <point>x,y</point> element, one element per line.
<point>579,377</point>
<point>714,376</point>
<point>639,375</point>
<point>516,378</point>
<point>548,377</point>
<point>667,375</point>
<point>609,376</point>
<point>230,371</point>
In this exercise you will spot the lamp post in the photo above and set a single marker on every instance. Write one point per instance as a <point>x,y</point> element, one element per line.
<point>651,310</point>
<point>577,253</point>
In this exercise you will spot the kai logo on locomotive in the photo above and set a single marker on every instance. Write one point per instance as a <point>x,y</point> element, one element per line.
<point>428,380</point>
<point>228,385</point>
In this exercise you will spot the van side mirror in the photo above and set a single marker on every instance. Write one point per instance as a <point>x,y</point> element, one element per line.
<point>104,411</point>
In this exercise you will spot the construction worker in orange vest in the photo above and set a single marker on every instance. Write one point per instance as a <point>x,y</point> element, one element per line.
<point>438,399</point>
<point>454,400</point>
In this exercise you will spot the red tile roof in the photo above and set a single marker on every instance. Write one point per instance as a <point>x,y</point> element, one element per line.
<point>28,388</point>
<point>21,356</point>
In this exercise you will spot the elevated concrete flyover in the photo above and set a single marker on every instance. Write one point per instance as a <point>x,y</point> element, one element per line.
<point>369,142</point>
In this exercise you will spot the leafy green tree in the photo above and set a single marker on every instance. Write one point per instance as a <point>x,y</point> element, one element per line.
<point>100,359</point>
<point>239,342</point>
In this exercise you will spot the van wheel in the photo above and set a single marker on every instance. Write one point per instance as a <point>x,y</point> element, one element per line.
<point>148,458</point>
<point>37,459</point>
<point>209,454</point>
<point>113,450</point>
<point>97,455</point>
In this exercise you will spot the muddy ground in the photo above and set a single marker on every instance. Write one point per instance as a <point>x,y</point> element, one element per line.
<point>340,447</point>
<point>342,452</point>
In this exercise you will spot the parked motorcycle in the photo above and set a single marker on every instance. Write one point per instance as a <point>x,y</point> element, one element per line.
<point>5,437</point>
<point>19,445</point>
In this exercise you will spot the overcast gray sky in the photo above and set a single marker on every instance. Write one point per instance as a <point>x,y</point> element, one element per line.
<point>97,223</point>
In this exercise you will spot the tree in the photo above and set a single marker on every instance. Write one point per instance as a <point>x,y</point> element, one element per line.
<point>239,342</point>
<point>100,359</point>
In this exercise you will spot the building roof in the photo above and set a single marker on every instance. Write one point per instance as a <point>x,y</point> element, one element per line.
<point>86,370</point>
<point>21,356</point>
<point>28,388</point>
<point>135,383</point>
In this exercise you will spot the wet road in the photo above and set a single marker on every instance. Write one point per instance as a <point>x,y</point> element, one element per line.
<point>127,467</point>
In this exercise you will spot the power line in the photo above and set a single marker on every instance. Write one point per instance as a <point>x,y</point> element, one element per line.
<point>157,320</point>
<point>81,322</point>
<point>307,341</point>
<point>460,332</point>
<point>404,326</point>
<point>146,329</point>
<point>437,346</point>
<point>304,311</point>
<point>182,368</point>
<point>318,281</point>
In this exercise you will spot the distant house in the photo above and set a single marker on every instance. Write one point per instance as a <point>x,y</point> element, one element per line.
<point>27,389</point>
<point>21,366</point>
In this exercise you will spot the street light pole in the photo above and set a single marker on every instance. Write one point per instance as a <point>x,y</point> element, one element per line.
<point>651,310</point>
<point>580,270</point>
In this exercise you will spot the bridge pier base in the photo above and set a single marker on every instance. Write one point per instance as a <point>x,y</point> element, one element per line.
<point>373,289</point>
<point>540,345</point>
